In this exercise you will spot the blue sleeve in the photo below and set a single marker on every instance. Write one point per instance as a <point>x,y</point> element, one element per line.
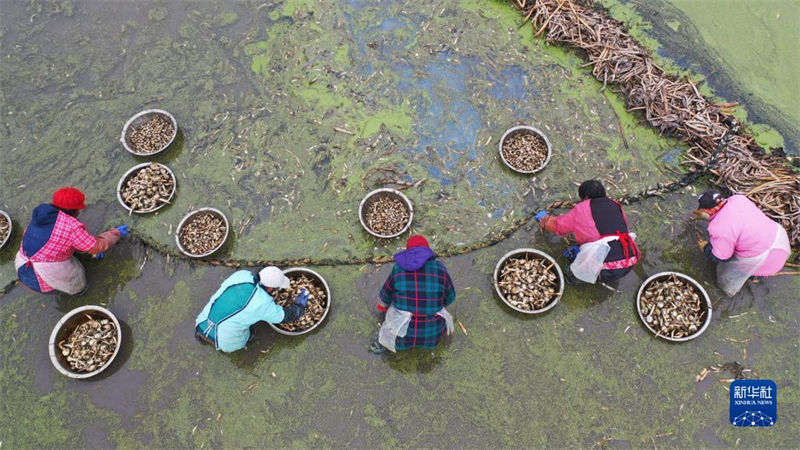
<point>268,310</point>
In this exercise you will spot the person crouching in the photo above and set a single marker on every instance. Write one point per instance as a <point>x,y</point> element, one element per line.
<point>45,260</point>
<point>414,299</point>
<point>242,300</point>
<point>607,251</point>
<point>743,241</point>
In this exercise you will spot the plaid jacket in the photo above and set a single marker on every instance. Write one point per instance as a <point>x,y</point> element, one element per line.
<point>53,236</point>
<point>422,292</point>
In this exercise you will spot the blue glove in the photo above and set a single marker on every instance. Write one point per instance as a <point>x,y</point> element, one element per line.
<point>540,215</point>
<point>302,299</point>
<point>100,255</point>
<point>572,252</point>
<point>123,230</point>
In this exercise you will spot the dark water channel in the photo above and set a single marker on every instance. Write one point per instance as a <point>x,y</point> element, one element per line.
<point>425,89</point>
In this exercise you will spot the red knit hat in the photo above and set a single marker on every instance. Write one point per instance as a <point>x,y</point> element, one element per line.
<point>69,198</point>
<point>417,241</point>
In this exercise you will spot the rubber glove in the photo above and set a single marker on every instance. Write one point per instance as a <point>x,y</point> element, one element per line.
<point>100,255</point>
<point>123,230</point>
<point>302,299</point>
<point>540,215</point>
<point>572,252</point>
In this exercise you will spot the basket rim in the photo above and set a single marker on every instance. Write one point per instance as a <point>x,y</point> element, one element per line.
<point>69,315</point>
<point>136,168</point>
<point>531,129</point>
<point>127,125</point>
<point>187,217</point>
<point>402,196</point>
<point>506,257</point>
<point>10,228</point>
<point>324,314</point>
<point>691,280</point>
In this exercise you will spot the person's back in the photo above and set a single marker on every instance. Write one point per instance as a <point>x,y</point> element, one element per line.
<point>741,229</point>
<point>242,300</point>
<point>414,297</point>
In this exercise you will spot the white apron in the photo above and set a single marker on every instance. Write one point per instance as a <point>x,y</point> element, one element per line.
<point>733,274</point>
<point>591,257</point>
<point>396,325</point>
<point>65,276</point>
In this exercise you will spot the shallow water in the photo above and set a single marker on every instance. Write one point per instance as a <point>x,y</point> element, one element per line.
<point>258,89</point>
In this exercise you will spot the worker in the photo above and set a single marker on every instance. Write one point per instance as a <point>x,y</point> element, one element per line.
<point>242,300</point>
<point>45,261</point>
<point>414,299</point>
<point>606,251</point>
<point>743,241</point>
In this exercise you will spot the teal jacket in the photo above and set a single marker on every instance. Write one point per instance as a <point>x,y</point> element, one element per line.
<point>234,332</point>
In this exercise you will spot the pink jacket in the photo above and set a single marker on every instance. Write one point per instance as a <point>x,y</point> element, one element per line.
<point>741,229</point>
<point>578,221</point>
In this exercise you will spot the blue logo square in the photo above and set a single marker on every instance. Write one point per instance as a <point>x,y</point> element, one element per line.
<point>754,403</point>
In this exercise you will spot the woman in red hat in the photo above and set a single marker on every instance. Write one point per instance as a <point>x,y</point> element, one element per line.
<point>414,298</point>
<point>44,261</point>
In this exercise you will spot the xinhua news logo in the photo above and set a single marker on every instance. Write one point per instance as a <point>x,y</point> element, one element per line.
<point>754,403</point>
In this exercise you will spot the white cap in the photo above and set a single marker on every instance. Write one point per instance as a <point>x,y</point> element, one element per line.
<point>272,277</point>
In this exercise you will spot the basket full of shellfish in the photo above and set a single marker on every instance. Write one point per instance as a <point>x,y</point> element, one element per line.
<point>528,280</point>
<point>385,213</point>
<point>85,341</point>
<point>146,187</point>
<point>319,300</point>
<point>5,228</point>
<point>673,306</point>
<point>525,149</point>
<point>202,232</point>
<point>149,132</point>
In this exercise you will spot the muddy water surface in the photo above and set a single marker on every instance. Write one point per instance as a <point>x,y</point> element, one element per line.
<point>289,113</point>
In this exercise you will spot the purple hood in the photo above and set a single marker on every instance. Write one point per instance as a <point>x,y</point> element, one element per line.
<point>414,258</point>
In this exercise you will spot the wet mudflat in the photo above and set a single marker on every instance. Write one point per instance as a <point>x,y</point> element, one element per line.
<point>420,92</point>
<point>494,386</point>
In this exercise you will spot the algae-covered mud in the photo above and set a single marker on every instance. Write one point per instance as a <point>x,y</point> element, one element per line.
<point>289,113</point>
<point>497,385</point>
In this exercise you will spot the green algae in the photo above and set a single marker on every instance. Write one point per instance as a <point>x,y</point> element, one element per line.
<point>737,68</point>
<point>761,61</point>
<point>272,165</point>
<point>493,387</point>
<point>286,169</point>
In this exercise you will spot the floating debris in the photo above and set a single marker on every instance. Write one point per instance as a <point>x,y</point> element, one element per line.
<point>5,229</point>
<point>529,283</point>
<point>317,300</point>
<point>90,345</point>
<point>152,136</point>
<point>673,307</point>
<point>148,188</point>
<point>524,150</point>
<point>386,215</point>
<point>202,233</point>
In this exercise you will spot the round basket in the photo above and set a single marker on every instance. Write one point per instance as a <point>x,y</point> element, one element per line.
<point>524,129</point>
<point>375,195</point>
<point>130,173</point>
<point>191,214</point>
<point>313,274</point>
<point>528,252</point>
<point>688,279</point>
<point>4,240</point>
<point>67,325</point>
<point>142,118</point>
